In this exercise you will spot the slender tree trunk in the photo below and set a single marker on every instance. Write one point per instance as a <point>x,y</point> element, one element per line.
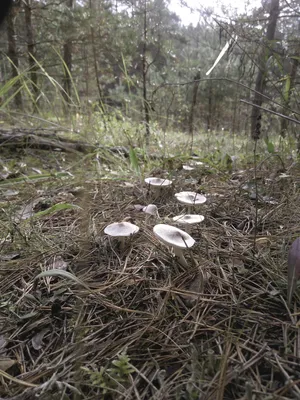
<point>287,94</point>
<point>167,118</point>
<point>194,102</point>
<point>87,73</point>
<point>95,56</point>
<point>210,108</point>
<point>31,51</point>
<point>67,57</point>
<point>13,53</point>
<point>145,72</point>
<point>260,82</point>
<point>235,107</point>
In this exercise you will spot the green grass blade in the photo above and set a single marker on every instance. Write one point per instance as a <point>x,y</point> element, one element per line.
<point>134,162</point>
<point>54,209</point>
<point>62,274</point>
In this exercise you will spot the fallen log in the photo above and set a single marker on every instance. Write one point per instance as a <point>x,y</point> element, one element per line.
<point>41,140</point>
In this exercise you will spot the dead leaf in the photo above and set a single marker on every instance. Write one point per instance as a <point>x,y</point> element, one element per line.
<point>238,263</point>
<point>128,185</point>
<point>293,268</point>
<point>36,170</point>
<point>24,213</point>
<point>3,342</point>
<point>5,174</point>
<point>64,197</point>
<point>138,207</point>
<point>27,211</point>
<point>270,200</point>
<point>196,286</point>
<point>6,363</point>
<point>37,340</point>
<point>10,193</point>
<point>274,292</point>
<point>59,263</point>
<point>263,245</point>
<point>9,257</point>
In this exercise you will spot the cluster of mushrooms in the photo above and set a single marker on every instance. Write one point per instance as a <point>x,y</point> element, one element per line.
<point>167,234</point>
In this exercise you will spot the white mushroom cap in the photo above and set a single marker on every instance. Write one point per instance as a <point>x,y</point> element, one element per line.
<point>190,198</point>
<point>187,168</point>
<point>189,219</point>
<point>196,163</point>
<point>121,229</point>
<point>151,209</point>
<point>158,182</point>
<point>172,236</point>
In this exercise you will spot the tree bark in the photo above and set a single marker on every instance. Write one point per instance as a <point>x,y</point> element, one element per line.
<point>31,52</point>
<point>145,72</point>
<point>12,52</point>
<point>95,56</point>
<point>194,102</point>
<point>287,95</point>
<point>210,108</point>
<point>260,82</point>
<point>67,57</point>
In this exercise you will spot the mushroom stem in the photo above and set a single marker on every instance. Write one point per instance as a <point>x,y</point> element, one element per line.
<point>122,242</point>
<point>201,279</point>
<point>179,253</point>
<point>187,228</point>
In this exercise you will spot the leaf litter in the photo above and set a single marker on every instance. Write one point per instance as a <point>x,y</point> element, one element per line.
<point>134,323</point>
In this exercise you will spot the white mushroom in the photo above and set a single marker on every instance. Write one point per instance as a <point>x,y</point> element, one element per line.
<point>188,219</point>
<point>152,211</point>
<point>157,184</point>
<point>190,199</point>
<point>174,237</point>
<point>196,163</point>
<point>121,230</point>
<point>188,168</point>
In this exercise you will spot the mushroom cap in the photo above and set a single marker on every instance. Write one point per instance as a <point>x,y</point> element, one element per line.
<point>189,219</point>
<point>151,209</point>
<point>172,236</point>
<point>187,168</point>
<point>190,198</point>
<point>197,163</point>
<point>158,181</point>
<point>119,229</point>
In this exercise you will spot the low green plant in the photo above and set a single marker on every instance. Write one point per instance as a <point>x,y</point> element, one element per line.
<point>110,377</point>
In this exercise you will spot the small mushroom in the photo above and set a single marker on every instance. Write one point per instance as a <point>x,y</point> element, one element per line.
<point>188,219</point>
<point>121,230</point>
<point>196,163</point>
<point>174,237</point>
<point>152,211</point>
<point>190,199</point>
<point>188,168</point>
<point>158,184</point>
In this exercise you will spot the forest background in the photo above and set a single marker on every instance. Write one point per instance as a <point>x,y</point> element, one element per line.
<point>135,62</point>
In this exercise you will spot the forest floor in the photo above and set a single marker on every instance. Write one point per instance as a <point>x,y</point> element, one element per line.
<point>106,323</point>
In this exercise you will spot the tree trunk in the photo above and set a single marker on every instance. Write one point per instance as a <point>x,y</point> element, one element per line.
<point>210,108</point>
<point>287,95</point>
<point>95,56</point>
<point>31,51</point>
<point>145,72</point>
<point>67,57</point>
<point>194,102</point>
<point>260,82</point>
<point>13,54</point>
